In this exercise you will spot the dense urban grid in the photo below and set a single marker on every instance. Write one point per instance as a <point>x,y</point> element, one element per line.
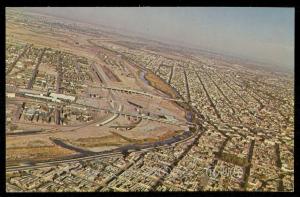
<point>90,110</point>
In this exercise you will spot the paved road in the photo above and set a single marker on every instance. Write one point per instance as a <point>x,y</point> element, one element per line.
<point>116,152</point>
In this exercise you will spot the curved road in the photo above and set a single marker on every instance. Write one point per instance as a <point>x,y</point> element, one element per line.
<point>116,152</point>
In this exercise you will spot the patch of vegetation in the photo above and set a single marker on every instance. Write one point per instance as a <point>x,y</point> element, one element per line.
<point>13,127</point>
<point>159,84</point>
<point>231,158</point>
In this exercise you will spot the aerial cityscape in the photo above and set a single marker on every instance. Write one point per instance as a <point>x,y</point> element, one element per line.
<point>90,108</point>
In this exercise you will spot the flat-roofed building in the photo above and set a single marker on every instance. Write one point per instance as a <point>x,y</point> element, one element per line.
<point>29,91</point>
<point>62,96</point>
<point>43,97</point>
<point>10,94</point>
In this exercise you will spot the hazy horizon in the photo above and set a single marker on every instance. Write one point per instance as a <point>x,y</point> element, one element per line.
<point>261,34</point>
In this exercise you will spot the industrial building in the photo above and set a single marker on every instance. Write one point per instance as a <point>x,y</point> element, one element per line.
<point>63,97</point>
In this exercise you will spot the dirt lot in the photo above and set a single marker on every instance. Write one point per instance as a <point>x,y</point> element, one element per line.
<point>110,74</point>
<point>109,140</point>
<point>37,153</point>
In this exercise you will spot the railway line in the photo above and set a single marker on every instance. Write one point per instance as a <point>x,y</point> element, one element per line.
<point>116,152</point>
<point>84,157</point>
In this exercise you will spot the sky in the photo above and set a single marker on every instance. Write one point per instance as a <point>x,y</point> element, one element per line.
<point>260,34</point>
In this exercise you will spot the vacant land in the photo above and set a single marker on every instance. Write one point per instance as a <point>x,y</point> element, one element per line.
<point>37,153</point>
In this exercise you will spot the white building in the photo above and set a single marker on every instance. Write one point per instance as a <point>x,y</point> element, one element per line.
<point>43,97</point>
<point>62,96</point>
<point>10,94</point>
